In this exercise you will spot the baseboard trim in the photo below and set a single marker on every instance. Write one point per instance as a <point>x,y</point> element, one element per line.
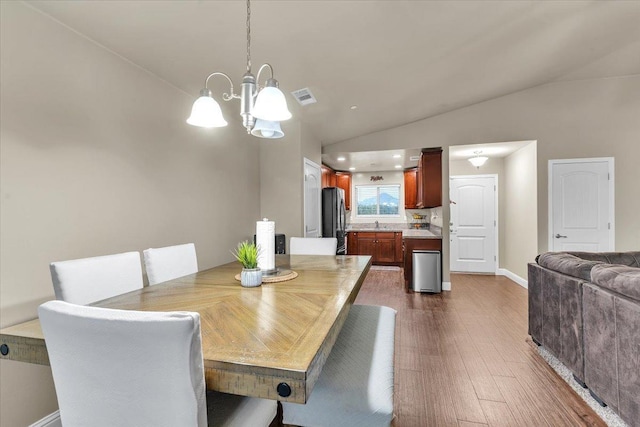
<point>50,420</point>
<point>446,286</point>
<point>519,280</point>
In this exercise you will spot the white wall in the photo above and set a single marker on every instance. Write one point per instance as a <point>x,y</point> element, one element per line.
<point>521,213</point>
<point>282,177</point>
<point>569,119</point>
<point>281,172</point>
<point>96,158</point>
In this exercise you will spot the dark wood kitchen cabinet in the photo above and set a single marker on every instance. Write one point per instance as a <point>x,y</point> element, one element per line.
<point>417,244</point>
<point>410,188</point>
<point>331,178</point>
<point>429,179</point>
<point>328,177</point>
<point>385,247</point>
<point>343,180</point>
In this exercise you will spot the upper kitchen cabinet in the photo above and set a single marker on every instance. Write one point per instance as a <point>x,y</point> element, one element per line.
<point>343,180</point>
<point>410,188</point>
<point>429,179</point>
<point>328,177</point>
<point>331,178</point>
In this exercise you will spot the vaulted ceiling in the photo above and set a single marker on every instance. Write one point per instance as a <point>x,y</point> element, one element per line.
<point>397,61</point>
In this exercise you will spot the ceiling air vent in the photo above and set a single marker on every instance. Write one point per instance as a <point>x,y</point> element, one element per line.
<point>304,96</point>
<point>414,158</point>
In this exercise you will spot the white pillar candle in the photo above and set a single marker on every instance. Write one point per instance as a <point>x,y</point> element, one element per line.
<point>266,241</point>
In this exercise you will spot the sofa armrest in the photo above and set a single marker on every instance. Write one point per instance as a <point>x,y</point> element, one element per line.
<point>555,315</point>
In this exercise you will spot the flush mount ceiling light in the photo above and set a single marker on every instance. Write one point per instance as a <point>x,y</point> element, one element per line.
<point>478,160</point>
<point>262,108</point>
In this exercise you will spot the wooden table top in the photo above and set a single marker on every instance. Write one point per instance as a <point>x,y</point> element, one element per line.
<point>261,342</point>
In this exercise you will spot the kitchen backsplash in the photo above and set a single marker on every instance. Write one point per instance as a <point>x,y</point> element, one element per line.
<point>411,218</point>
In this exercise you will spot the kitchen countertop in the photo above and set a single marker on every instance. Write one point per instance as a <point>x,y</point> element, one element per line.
<point>411,233</point>
<point>421,234</point>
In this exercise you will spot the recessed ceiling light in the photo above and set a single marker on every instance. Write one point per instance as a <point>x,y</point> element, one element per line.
<point>352,168</point>
<point>354,107</point>
<point>398,166</point>
<point>341,159</point>
<point>396,156</point>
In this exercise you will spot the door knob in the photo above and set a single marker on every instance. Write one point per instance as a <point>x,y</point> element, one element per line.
<point>559,236</point>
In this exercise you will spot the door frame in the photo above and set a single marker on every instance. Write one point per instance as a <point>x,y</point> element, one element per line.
<point>611,167</point>
<point>496,235</point>
<point>304,196</point>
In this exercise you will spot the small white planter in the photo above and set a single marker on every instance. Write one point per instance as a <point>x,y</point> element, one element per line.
<point>251,277</point>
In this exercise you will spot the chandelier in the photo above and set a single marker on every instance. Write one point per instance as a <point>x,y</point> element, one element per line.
<point>262,107</point>
<point>478,160</point>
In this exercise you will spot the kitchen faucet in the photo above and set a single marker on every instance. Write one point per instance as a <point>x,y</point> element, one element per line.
<point>377,225</point>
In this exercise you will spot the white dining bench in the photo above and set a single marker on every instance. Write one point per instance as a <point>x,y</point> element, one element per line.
<point>355,387</point>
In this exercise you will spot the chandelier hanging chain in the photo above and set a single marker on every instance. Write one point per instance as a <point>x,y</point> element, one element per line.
<point>261,107</point>
<point>248,36</point>
<point>267,65</point>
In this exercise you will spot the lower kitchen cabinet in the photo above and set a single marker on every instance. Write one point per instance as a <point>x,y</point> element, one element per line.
<point>417,244</point>
<point>384,247</point>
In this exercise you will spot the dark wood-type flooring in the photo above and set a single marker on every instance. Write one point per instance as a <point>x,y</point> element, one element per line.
<point>464,358</point>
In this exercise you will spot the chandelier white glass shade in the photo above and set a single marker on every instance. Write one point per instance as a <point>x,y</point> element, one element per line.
<point>478,160</point>
<point>271,104</point>
<point>267,104</point>
<point>206,112</point>
<point>267,129</point>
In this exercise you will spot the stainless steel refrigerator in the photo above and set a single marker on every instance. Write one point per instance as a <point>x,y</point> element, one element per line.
<point>334,216</point>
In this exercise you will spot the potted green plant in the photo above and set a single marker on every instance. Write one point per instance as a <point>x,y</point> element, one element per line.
<point>247,254</point>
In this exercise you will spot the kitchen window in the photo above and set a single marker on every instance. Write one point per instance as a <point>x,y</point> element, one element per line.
<point>377,200</point>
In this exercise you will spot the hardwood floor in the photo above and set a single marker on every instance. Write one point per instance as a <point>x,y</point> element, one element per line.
<point>464,358</point>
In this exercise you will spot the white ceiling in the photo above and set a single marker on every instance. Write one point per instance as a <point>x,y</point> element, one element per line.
<point>372,161</point>
<point>390,160</point>
<point>398,61</point>
<point>499,149</point>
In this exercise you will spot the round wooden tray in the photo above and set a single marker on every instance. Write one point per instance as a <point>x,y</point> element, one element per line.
<point>280,276</point>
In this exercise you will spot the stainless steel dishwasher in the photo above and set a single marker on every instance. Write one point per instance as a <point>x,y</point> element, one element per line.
<point>427,271</point>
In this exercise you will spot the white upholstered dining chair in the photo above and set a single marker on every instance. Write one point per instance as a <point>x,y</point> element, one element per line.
<point>313,246</point>
<point>133,368</point>
<point>170,262</point>
<point>87,280</point>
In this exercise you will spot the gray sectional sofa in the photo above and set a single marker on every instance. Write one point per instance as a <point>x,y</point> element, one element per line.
<point>585,309</point>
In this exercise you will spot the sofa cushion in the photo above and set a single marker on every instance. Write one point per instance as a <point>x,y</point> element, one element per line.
<point>631,259</point>
<point>618,278</point>
<point>567,263</point>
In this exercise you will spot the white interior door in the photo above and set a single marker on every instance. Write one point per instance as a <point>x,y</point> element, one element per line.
<point>581,205</point>
<point>312,201</point>
<point>473,225</point>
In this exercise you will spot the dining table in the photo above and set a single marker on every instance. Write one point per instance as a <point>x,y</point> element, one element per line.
<point>269,341</point>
